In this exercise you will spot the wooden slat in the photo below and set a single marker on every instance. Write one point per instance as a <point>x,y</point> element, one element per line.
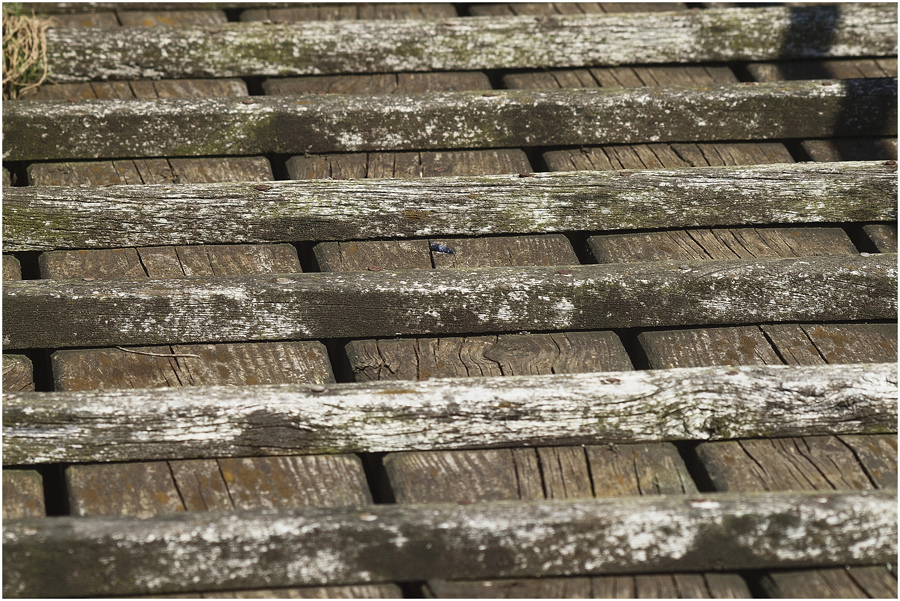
<point>653,405</point>
<point>250,49</point>
<point>12,270</point>
<point>18,373</point>
<point>44,130</point>
<point>317,210</point>
<point>833,583</point>
<point>144,89</point>
<point>380,83</point>
<point>883,236</point>
<point>337,11</point>
<point>852,149</point>
<point>23,494</point>
<point>410,542</point>
<point>369,304</point>
<point>825,69</point>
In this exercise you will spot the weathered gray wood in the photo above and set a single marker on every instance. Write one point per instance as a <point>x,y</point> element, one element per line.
<point>568,8</point>
<point>408,164</point>
<point>12,270</point>
<point>860,149</point>
<point>380,83</point>
<point>114,556</point>
<point>23,494</point>
<point>446,120</point>
<point>367,304</point>
<point>145,89</point>
<point>708,346</point>
<point>250,49</point>
<point>18,373</point>
<point>338,11</point>
<point>684,586</point>
<point>170,18</point>
<point>883,236</point>
<point>864,582</point>
<point>826,69</point>
<point>46,219</point>
<point>656,405</point>
<point>878,456</point>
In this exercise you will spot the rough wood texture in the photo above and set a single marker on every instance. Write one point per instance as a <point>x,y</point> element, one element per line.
<point>352,123</point>
<point>409,542</point>
<point>860,149</point>
<point>450,301</point>
<point>380,83</point>
<point>516,354</point>
<point>149,171</point>
<point>711,585</point>
<point>568,8</point>
<point>12,270</point>
<point>720,244</point>
<point>23,494</point>
<point>250,49</point>
<point>654,405</point>
<point>212,364</point>
<point>143,89</point>
<point>883,236</point>
<point>622,77</point>
<point>825,69</point>
<point>834,583</point>
<point>408,164</point>
<point>812,344</point>
<point>18,373</point>
<point>337,11</point>
<point>51,218</point>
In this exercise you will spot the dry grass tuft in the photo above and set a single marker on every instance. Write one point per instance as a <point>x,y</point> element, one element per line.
<point>24,51</point>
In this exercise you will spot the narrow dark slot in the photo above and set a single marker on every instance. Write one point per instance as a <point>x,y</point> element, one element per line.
<point>233,14</point>
<point>42,371</point>
<point>413,590</point>
<point>754,579</point>
<point>859,238</point>
<point>629,338</point>
<point>278,162</point>
<point>18,172</point>
<point>696,469</point>
<point>536,158</point>
<point>340,364</point>
<point>798,153</point>
<point>56,496</point>
<point>377,478</point>
<point>254,85</point>
<point>307,257</point>
<point>28,262</point>
<point>495,76</point>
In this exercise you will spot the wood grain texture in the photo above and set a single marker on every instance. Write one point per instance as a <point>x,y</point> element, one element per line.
<point>23,494</point>
<point>45,130</point>
<point>320,210</point>
<point>406,542</point>
<point>145,89</point>
<point>18,373</point>
<point>12,270</point>
<point>283,49</point>
<point>449,301</point>
<point>380,83</point>
<point>616,407</point>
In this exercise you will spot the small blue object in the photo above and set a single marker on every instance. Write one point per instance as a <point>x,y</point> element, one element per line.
<point>441,249</point>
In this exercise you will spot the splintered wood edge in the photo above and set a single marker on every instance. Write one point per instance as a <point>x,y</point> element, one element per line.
<point>95,129</point>
<point>368,304</point>
<point>709,403</point>
<point>88,556</point>
<point>36,218</point>
<point>471,43</point>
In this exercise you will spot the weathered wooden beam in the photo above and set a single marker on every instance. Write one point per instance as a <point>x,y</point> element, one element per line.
<point>67,313</point>
<point>68,557</point>
<point>315,210</point>
<point>613,407</point>
<point>42,130</point>
<point>472,43</point>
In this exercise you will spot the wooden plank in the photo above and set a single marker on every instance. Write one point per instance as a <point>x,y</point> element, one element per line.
<point>18,373</point>
<point>445,44</point>
<point>406,542</point>
<point>657,75</point>
<point>824,69</point>
<point>687,586</point>
<point>864,149</point>
<point>166,88</point>
<point>381,83</point>
<point>39,130</point>
<point>337,11</point>
<point>878,456</point>
<point>170,18</point>
<point>835,343</point>
<point>883,236</point>
<point>408,164</point>
<point>658,156</point>
<point>452,301</point>
<point>569,8</point>
<point>157,488</point>
<point>12,270</point>
<point>832,583</point>
<point>696,347</point>
<point>720,244</point>
<point>517,354</point>
<point>152,171</point>
<point>618,407</point>
<point>23,494</point>
<point>46,219</point>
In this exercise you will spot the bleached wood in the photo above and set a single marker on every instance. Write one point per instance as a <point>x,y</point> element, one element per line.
<point>382,543</point>
<point>472,43</point>
<point>36,218</point>
<point>44,130</point>
<point>656,405</point>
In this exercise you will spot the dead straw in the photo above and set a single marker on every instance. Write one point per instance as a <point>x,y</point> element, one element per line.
<point>24,52</point>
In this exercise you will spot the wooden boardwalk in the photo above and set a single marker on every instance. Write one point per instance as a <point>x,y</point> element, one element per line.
<point>453,300</point>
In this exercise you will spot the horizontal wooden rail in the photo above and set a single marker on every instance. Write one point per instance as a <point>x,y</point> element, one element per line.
<point>67,313</point>
<point>44,130</point>
<point>472,43</point>
<point>709,403</point>
<point>315,210</point>
<point>68,557</point>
